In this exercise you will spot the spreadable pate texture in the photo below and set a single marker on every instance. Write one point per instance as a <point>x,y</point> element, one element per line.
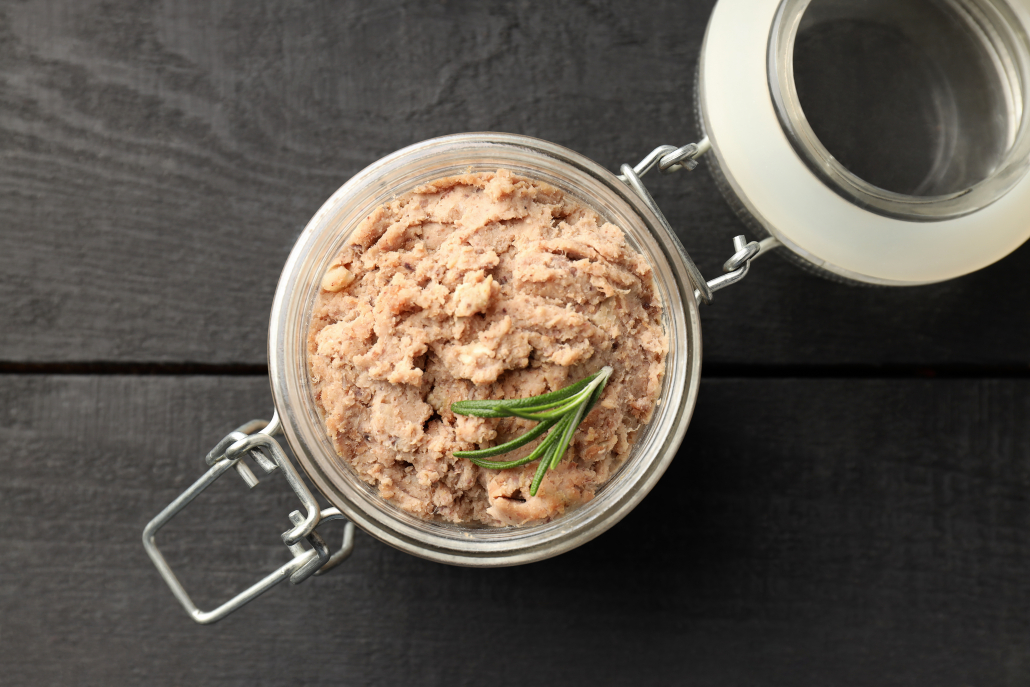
<point>482,286</point>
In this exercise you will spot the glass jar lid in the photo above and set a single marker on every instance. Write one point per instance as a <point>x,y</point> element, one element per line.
<point>884,143</point>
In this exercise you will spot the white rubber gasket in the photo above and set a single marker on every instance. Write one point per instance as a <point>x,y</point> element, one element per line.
<point>796,207</point>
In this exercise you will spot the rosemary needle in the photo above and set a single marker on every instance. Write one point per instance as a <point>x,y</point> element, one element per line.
<point>563,410</point>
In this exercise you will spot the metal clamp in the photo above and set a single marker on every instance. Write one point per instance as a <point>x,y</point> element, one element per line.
<point>672,159</point>
<point>228,453</point>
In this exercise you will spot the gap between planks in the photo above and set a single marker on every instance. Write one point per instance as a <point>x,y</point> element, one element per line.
<point>712,371</point>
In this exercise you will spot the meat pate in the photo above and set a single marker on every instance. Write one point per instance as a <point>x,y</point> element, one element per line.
<point>482,286</point>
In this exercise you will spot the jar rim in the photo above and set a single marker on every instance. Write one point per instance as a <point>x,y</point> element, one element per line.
<point>290,319</point>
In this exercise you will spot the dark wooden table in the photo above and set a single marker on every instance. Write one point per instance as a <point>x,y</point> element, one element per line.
<point>849,506</point>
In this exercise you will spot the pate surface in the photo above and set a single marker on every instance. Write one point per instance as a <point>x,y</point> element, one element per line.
<point>482,286</point>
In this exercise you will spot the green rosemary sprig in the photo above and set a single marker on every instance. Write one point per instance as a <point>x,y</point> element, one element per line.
<point>562,410</point>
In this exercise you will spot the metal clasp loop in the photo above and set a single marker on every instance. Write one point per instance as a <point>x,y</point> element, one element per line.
<point>736,268</point>
<point>315,559</point>
<point>672,159</point>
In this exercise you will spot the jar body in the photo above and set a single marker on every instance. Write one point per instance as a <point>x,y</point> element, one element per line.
<point>325,235</point>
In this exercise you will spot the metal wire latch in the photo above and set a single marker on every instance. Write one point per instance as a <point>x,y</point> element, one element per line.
<point>255,439</point>
<point>672,159</point>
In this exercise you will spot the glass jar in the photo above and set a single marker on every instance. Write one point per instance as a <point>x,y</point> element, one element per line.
<point>322,240</point>
<point>621,200</point>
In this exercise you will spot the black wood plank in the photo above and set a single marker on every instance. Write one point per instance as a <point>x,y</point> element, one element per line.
<point>157,161</point>
<point>830,532</point>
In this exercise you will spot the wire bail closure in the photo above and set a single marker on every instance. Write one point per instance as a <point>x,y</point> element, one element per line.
<point>255,439</point>
<point>670,159</point>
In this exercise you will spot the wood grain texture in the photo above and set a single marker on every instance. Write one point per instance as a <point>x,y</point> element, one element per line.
<point>157,160</point>
<point>811,532</point>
